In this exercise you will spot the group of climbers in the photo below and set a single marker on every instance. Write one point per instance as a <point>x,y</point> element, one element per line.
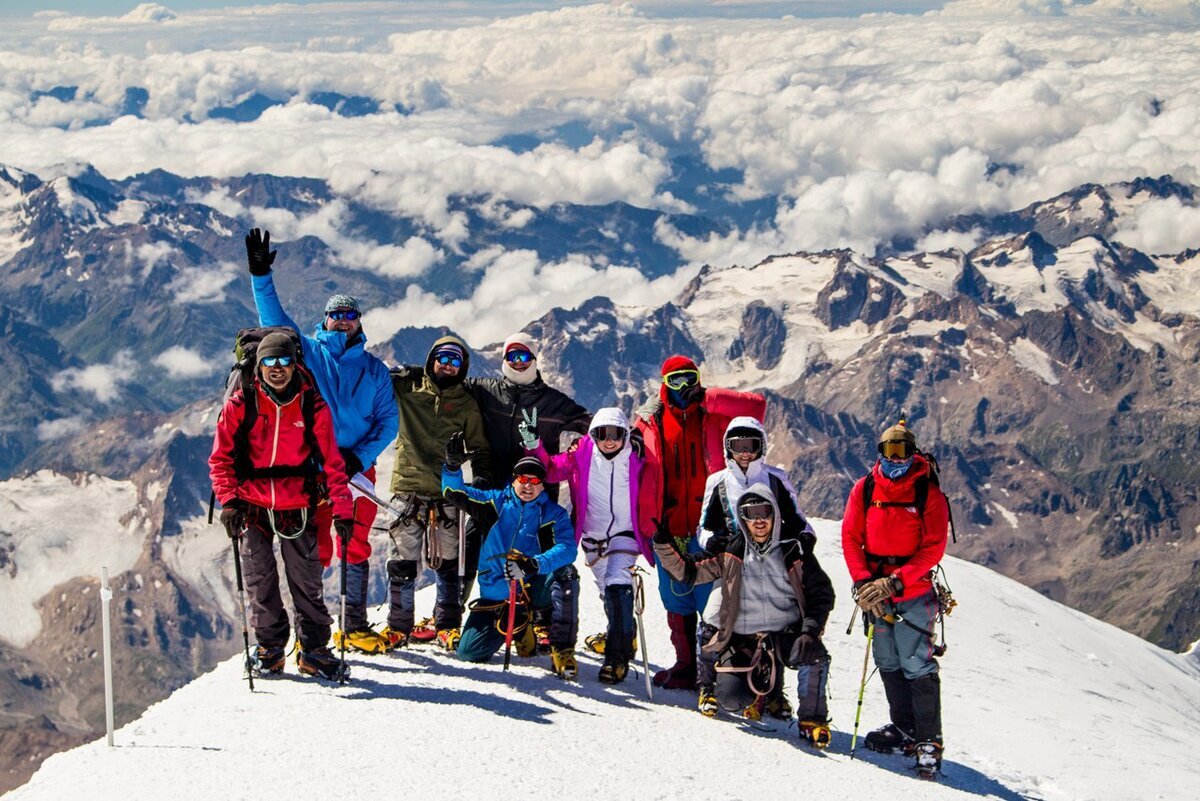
<point>685,486</point>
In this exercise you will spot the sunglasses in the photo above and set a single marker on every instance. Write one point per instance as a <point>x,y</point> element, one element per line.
<point>610,433</point>
<point>346,314</point>
<point>518,356</point>
<point>277,361</point>
<point>453,361</point>
<point>744,444</point>
<point>756,511</point>
<point>682,379</point>
<point>534,480</point>
<point>895,449</point>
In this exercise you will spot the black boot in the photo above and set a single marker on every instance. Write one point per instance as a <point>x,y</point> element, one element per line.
<point>897,736</point>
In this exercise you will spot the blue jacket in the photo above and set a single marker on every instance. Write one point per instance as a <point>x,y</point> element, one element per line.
<point>356,386</point>
<point>540,529</point>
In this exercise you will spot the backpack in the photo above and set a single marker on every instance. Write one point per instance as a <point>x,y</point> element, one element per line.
<point>241,376</point>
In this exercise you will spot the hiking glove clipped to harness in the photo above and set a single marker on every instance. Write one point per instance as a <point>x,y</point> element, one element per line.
<point>872,595</point>
<point>344,529</point>
<point>518,566</point>
<point>354,465</point>
<point>258,252</point>
<point>233,518</point>
<point>456,451</point>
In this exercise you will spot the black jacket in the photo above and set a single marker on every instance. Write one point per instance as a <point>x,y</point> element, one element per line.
<point>501,401</point>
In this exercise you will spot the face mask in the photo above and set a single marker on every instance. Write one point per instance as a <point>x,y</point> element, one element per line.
<point>895,470</point>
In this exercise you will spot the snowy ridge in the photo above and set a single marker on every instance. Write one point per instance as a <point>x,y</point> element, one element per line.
<point>1040,702</point>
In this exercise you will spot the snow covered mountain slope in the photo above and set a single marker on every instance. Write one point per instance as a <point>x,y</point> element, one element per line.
<point>1040,702</point>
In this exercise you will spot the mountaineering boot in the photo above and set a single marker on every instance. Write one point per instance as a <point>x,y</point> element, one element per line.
<point>542,635</point>
<point>596,642</point>
<point>423,632</point>
<point>754,712</point>
<point>448,638</point>
<point>562,661</point>
<point>613,671</point>
<point>395,638</point>
<point>778,706</point>
<point>681,675</point>
<point>365,640</point>
<point>707,701</point>
<point>321,662</point>
<point>890,739</point>
<point>929,759</point>
<point>267,661</point>
<point>524,643</point>
<point>815,732</point>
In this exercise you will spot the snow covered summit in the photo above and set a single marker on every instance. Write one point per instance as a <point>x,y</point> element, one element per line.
<point>1040,702</point>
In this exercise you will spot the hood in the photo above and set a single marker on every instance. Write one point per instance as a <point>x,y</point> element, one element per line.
<point>449,340</point>
<point>670,365</point>
<point>757,469</point>
<point>610,416</point>
<point>761,489</point>
<point>336,341</point>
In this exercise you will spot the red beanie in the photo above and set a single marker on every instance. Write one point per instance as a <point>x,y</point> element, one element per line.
<point>677,362</point>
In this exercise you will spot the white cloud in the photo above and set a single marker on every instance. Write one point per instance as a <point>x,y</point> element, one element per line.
<point>180,362</point>
<point>936,241</point>
<point>202,284</point>
<point>101,380</point>
<point>1162,226</point>
<point>63,427</point>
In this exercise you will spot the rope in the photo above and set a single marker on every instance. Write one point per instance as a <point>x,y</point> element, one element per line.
<point>763,644</point>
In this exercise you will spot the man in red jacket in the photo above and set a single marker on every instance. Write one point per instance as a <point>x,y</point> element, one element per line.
<point>892,542</point>
<point>683,431</point>
<point>268,481</point>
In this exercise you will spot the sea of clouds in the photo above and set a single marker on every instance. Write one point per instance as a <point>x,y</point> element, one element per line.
<point>857,129</point>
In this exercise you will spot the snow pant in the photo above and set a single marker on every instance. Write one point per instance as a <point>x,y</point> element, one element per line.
<point>483,631</point>
<point>471,569</point>
<point>738,688</point>
<point>429,530</point>
<point>302,569</point>
<point>622,629</point>
<point>909,670</point>
<point>357,556</point>
<point>678,597</point>
<point>706,661</point>
<point>555,601</point>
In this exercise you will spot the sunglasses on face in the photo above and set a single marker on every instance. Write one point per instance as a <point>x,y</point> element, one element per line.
<point>518,356</point>
<point>453,361</point>
<point>348,314</point>
<point>681,379</point>
<point>533,480</point>
<point>895,449</point>
<point>756,511</point>
<point>744,444</point>
<point>610,433</point>
<point>277,361</point>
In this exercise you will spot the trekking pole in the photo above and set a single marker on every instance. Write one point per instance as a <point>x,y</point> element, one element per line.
<point>639,603</point>
<point>853,616</point>
<point>862,687</point>
<point>345,633</point>
<point>241,588</point>
<point>105,597</point>
<point>462,546</point>
<point>512,622</point>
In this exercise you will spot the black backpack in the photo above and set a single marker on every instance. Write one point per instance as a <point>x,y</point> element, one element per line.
<point>241,376</point>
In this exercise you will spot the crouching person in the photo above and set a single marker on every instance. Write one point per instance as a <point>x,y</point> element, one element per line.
<point>267,476</point>
<point>777,599</point>
<point>527,538</point>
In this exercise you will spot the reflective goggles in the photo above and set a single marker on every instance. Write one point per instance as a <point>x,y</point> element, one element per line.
<point>610,433</point>
<point>534,480</point>
<point>518,356</point>
<point>756,510</point>
<point>744,444</point>
<point>344,314</point>
<point>896,449</point>
<point>276,361</point>
<point>681,379</point>
<point>446,358</point>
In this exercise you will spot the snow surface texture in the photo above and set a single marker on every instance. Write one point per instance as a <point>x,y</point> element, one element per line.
<point>1040,702</point>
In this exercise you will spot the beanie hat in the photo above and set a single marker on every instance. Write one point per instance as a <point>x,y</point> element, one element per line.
<point>675,363</point>
<point>449,349</point>
<point>530,466</point>
<point>276,343</point>
<point>520,341</point>
<point>898,433</point>
<point>341,303</point>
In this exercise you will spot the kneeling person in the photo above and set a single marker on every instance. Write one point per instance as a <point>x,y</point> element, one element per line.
<point>267,482</point>
<point>777,600</point>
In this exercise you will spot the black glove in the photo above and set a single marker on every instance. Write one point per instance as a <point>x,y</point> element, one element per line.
<point>456,450</point>
<point>353,463</point>
<point>258,252</point>
<point>806,649</point>
<point>637,443</point>
<point>345,530</point>
<point>233,518</point>
<point>662,534</point>
<point>517,566</point>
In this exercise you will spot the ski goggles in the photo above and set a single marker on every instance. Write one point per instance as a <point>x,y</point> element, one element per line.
<point>610,433</point>
<point>744,444</point>
<point>276,361</point>
<point>896,449</point>
<point>446,358</point>
<point>531,480</point>
<point>681,379</point>
<point>344,314</point>
<point>518,357</point>
<point>756,510</point>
